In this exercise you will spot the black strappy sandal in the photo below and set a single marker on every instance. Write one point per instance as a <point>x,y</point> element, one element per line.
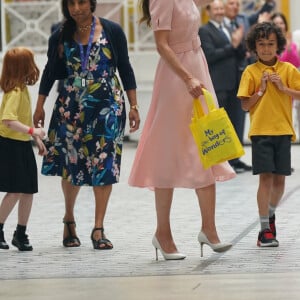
<point>70,240</point>
<point>102,243</point>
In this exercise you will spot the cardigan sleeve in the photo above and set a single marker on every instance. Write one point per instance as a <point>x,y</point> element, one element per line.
<point>55,67</point>
<point>123,63</point>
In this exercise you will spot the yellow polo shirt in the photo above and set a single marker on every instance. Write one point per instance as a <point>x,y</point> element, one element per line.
<point>272,114</point>
<point>16,106</point>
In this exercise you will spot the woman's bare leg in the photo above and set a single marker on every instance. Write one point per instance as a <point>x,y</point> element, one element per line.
<point>163,202</point>
<point>207,204</point>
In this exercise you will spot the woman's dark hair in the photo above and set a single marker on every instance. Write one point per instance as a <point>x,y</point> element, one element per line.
<point>263,31</point>
<point>282,16</point>
<point>144,7</point>
<point>69,25</point>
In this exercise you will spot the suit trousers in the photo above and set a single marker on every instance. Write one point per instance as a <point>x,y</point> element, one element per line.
<point>233,107</point>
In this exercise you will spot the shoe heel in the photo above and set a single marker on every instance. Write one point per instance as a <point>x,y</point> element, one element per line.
<point>166,256</point>
<point>218,247</point>
<point>156,254</point>
<point>201,249</point>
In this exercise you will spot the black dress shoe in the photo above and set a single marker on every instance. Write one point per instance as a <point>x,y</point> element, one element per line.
<point>3,244</point>
<point>21,242</point>
<point>241,167</point>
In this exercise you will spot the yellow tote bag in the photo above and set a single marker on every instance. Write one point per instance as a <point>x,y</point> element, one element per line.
<point>214,133</point>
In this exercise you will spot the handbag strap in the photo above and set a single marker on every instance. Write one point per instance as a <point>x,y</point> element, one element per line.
<point>197,107</point>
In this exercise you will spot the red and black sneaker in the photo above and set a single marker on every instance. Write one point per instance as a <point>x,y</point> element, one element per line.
<point>272,225</point>
<point>266,239</point>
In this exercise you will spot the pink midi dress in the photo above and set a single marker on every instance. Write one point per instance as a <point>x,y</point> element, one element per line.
<point>167,156</point>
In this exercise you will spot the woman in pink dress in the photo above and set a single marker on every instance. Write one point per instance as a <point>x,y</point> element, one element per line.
<point>291,52</point>
<point>167,156</point>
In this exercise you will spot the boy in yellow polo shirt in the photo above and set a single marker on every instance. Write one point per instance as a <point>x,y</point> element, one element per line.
<point>266,90</point>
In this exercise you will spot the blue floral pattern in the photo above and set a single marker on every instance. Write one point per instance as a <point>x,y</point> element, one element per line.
<point>86,130</point>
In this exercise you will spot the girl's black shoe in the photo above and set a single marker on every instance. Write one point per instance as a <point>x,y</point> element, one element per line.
<point>3,244</point>
<point>21,241</point>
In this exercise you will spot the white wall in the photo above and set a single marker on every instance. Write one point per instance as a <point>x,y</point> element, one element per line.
<point>294,14</point>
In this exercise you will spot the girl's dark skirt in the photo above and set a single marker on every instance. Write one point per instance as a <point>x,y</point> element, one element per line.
<point>18,169</point>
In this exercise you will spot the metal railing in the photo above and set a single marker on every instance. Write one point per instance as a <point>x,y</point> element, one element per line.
<point>28,23</point>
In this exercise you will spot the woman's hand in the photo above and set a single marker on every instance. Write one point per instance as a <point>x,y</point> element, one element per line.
<point>39,117</point>
<point>134,120</point>
<point>134,117</point>
<point>194,87</point>
<point>39,114</point>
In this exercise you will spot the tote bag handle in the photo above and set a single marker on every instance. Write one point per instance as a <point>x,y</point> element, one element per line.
<point>197,107</point>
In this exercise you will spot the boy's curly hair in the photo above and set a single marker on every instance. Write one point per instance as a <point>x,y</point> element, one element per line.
<point>263,30</point>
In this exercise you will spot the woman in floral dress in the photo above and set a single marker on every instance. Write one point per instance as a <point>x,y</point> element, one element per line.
<point>87,125</point>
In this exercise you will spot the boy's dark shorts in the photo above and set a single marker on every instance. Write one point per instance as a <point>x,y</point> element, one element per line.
<point>271,154</point>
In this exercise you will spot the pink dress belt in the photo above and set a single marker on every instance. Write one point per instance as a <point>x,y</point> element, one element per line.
<point>193,44</point>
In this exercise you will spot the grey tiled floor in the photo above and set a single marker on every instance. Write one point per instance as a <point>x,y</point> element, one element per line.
<point>130,224</point>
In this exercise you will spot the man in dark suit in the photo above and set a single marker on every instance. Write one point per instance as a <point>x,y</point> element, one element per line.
<point>234,19</point>
<point>224,51</point>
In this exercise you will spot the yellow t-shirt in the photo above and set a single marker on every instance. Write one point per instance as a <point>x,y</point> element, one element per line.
<point>16,106</point>
<point>272,114</point>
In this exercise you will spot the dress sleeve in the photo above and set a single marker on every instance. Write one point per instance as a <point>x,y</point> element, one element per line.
<point>11,107</point>
<point>161,14</point>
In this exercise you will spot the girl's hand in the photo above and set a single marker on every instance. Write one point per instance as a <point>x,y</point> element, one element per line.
<point>194,87</point>
<point>39,132</point>
<point>41,146</point>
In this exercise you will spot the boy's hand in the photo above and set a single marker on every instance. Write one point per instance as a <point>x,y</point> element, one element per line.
<point>264,80</point>
<point>275,78</point>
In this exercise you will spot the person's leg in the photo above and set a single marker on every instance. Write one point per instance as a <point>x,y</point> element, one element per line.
<point>277,191</point>
<point>70,194</point>
<point>24,208</point>
<point>102,194</point>
<point>8,203</point>
<point>20,238</point>
<point>266,237</point>
<point>207,204</point>
<point>237,117</point>
<point>276,195</point>
<point>264,193</point>
<point>163,202</point>
<point>208,233</point>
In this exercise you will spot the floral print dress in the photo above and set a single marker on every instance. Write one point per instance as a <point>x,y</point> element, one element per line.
<point>87,125</point>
